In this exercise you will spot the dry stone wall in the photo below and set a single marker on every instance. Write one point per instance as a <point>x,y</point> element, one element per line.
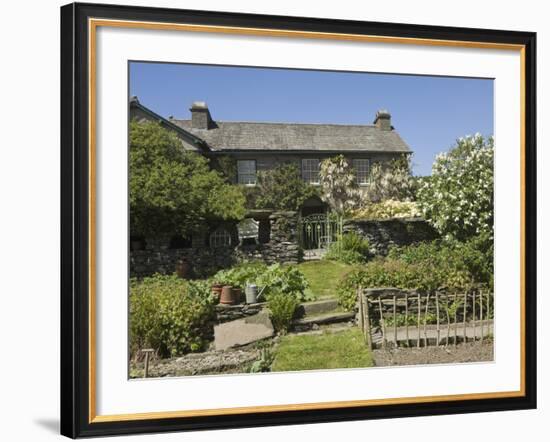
<point>383,234</point>
<point>204,260</point>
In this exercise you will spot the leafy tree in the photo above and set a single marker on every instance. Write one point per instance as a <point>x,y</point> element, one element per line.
<point>458,197</point>
<point>281,188</point>
<point>227,165</point>
<point>391,181</point>
<point>339,184</point>
<point>172,190</point>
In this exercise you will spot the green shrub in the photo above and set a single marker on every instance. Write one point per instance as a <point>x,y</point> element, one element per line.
<point>263,364</point>
<point>426,267</point>
<point>346,291</point>
<point>284,279</point>
<point>473,258</point>
<point>282,306</point>
<point>345,256</point>
<point>170,315</point>
<point>350,248</point>
<point>387,273</point>
<point>239,275</point>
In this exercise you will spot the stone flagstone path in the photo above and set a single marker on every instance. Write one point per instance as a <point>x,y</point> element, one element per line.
<point>243,331</point>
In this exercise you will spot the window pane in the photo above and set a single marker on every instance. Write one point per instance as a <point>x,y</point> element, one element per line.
<point>310,170</point>
<point>362,167</point>
<point>246,171</point>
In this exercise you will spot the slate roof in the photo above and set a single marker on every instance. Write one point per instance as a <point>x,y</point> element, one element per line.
<point>195,141</point>
<point>297,137</point>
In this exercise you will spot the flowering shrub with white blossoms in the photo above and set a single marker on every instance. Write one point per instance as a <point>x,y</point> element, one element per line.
<point>388,209</point>
<point>457,199</point>
<point>338,184</point>
<point>391,181</point>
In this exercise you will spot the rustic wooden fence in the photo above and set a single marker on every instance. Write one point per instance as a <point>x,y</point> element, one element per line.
<point>393,317</point>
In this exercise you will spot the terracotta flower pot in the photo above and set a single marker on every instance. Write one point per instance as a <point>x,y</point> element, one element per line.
<point>237,291</point>
<point>227,295</point>
<point>183,268</point>
<point>217,291</point>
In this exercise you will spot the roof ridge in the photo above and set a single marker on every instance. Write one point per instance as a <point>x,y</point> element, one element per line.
<point>282,123</point>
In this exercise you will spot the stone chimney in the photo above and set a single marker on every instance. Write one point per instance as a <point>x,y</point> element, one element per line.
<point>200,116</point>
<point>383,120</point>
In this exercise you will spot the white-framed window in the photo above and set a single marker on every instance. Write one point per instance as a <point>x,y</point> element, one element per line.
<point>246,172</point>
<point>220,238</point>
<point>362,170</point>
<point>310,170</point>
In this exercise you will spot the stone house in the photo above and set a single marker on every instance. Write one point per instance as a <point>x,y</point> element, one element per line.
<point>261,146</point>
<point>258,146</point>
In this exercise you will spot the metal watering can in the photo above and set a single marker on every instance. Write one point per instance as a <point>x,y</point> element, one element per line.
<point>251,293</point>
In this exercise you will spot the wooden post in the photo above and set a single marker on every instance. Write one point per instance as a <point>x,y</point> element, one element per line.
<point>481,313</point>
<point>437,317</point>
<point>367,323</point>
<point>426,320</point>
<point>418,321</point>
<point>382,322</point>
<point>474,313</point>
<point>464,318</point>
<point>395,320</point>
<point>361,317</point>
<point>407,317</point>
<point>148,352</point>
<point>455,317</point>
<point>448,319</point>
<point>487,314</point>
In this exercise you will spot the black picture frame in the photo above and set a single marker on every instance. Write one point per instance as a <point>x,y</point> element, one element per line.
<point>75,220</point>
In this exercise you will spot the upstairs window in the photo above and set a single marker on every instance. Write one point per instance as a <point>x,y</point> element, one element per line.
<point>310,170</point>
<point>246,172</point>
<point>362,170</point>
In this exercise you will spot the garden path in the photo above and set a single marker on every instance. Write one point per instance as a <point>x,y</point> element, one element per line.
<point>243,331</point>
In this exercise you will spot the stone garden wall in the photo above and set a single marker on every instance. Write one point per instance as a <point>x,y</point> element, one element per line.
<point>281,247</point>
<point>204,261</point>
<point>382,234</point>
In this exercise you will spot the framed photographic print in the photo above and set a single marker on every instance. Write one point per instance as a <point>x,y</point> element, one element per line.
<point>279,220</point>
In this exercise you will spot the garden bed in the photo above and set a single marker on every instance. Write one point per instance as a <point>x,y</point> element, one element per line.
<point>209,362</point>
<point>467,352</point>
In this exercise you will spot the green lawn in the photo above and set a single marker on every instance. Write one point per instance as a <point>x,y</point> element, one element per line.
<point>330,350</point>
<point>323,276</point>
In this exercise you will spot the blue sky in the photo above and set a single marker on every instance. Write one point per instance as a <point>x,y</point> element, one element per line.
<point>429,113</point>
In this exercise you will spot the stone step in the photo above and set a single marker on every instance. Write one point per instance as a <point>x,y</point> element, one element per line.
<point>317,307</point>
<point>243,331</point>
<point>328,328</point>
<point>310,322</point>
